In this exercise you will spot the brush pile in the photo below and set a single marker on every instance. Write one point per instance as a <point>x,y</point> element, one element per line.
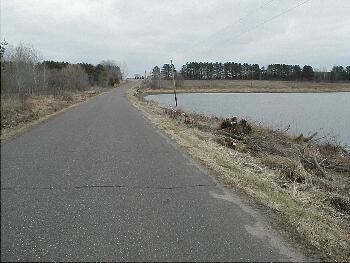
<point>301,162</point>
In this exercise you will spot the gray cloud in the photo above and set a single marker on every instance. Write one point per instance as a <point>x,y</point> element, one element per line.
<point>146,33</point>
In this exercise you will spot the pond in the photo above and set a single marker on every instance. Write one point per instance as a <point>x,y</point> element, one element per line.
<point>325,113</point>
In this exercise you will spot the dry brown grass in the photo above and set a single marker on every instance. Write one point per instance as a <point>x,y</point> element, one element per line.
<point>275,169</point>
<point>20,113</point>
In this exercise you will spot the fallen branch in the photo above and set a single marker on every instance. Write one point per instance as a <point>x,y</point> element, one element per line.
<point>338,168</point>
<point>233,136</point>
<point>301,137</point>
<point>319,168</point>
<point>310,137</point>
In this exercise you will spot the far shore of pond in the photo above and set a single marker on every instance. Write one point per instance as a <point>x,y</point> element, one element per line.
<point>247,90</point>
<point>242,86</point>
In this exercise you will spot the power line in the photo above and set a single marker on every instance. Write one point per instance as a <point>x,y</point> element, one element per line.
<point>243,17</point>
<point>274,17</point>
<point>263,22</point>
<point>267,3</point>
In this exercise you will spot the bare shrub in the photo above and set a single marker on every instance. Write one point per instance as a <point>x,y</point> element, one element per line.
<point>74,78</point>
<point>27,103</point>
<point>67,96</point>
<point>19,73</point>
<point>233,127</point>
<point>111,74</point>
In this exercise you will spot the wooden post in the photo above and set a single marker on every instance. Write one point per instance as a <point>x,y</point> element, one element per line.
<point>173,76</point>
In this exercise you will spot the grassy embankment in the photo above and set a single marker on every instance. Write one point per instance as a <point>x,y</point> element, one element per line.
<point>20,114</point>
<point>306,183</point>
<point>246,86</point>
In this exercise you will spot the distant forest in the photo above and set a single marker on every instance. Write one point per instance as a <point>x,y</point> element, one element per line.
<point>245,71</point>
<point>23,73</point>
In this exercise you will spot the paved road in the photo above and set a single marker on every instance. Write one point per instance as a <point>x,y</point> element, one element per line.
<point>99,182</point>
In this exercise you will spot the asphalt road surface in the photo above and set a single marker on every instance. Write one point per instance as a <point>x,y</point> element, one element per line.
<point>100,182</point>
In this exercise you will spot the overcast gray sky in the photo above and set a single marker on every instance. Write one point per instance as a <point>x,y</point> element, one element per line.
<point>145,33</point>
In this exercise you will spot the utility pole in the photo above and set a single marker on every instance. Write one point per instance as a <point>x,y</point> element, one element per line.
<point>173,76</point>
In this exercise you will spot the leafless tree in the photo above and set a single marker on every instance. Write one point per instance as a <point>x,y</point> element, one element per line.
<point>23,73</point>
<point>75,78</point>
<point>20,70</point>
<point>111,74</point>
<point>124,70</point>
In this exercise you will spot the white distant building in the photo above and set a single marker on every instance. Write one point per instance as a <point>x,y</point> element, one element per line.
<point>137,76</point>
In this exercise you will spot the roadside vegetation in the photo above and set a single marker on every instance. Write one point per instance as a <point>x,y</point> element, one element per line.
<point>302,179</point>
<point>32,89</point>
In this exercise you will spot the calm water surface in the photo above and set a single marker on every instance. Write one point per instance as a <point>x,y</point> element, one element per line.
<point>326,113</point>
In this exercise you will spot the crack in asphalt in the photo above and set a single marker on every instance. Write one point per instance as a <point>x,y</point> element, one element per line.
<point>107,186</point>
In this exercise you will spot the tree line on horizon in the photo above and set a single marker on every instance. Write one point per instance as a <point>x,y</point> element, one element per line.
<point>24,73</point>
<point>245,71</point>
